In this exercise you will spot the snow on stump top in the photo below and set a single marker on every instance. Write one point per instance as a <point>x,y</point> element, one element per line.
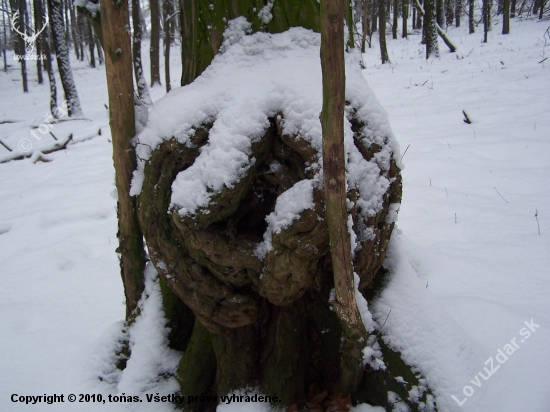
<point>229,178</point>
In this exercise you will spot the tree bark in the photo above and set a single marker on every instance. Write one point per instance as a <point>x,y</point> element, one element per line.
<point>432,47</point>
<point>141,84</point>
<point>48,65</point>
<point>334,177</point>
<point>38,21</point>
<point>458,12</point>
<point>405,12</point>
<point>486,19</point>
<point>5,42</point>
<point>167,11</point>
<point>155,41</point>
<point>118,68</point>
<point>506,17</point>
<point>382,31</point>
<point>19,44</point>
<point>365,25</point>
<point>62,56</point>
<point>395,19</point>
<point>439,12</point>
<point>471,17</point>
<point>91,41</point>
<point>200,44</point>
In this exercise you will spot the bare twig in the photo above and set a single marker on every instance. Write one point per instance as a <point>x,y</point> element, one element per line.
<point>537,217</point>
<point>3,144</point>
<point>384,324</point>
<point>466,118</point>
<point>500,194</point>
<point>404,153</point>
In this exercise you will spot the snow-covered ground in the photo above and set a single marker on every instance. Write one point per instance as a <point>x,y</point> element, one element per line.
<point>468,265</point>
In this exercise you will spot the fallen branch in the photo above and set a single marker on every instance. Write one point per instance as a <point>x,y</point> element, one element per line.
<point>440,31</point>
<point>3,144</point>
<point>466,118</point>
<point>55,148</point>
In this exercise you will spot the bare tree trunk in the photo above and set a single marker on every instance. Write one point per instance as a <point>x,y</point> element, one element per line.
<point>486,19</point>
<point>365,24</point>
<point>142,89</point>
<point>471,16</point>
<point>38,21</point>
<point>449,12</point>
<point>432,47</point>
<point>48,65</point>
<point>334,170</point>
<point>155,41</point>
<point>513,10</point>
<point>405,12</point>
<point>440,13</point>
<point>458,12</point>
<point>5,42</point>
<point>167,41</point>
<point>118,67</point>
<point>382,31</point>
<point>395,19</point>
<point>75,31</point>
<point>99,49</point>
<point>62,56</point>
<point>506,18</point>
<point>91,41</point>
<point>19,44</point>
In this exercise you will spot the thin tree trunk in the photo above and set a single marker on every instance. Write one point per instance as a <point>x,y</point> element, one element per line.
<point>440,13</point>
<point>118,68</point>
<point>155,41</point>
<point>432,47</point>
<point>395,19</point>
<point>167,40</point>
<point>506,18</point>
<point>99,49</point>
<point>5,39</point>
<point>142,89</point>
<point>19,44</point>
<point>334,169</point>
<point>541,11</point>
<point>471,16</point>
<point>365,24</point>
<point>458,12</point>
<point>414,18</point>
<point>75,31</point>
<point>486,19</point>
<point>62,56</point>
<point>38,22</point>
<point>382,31</point>
<point>405,12</point>
<point>48,65</point>
<point>513,10</point>
<point>91,41</point>
<point>449,12</point>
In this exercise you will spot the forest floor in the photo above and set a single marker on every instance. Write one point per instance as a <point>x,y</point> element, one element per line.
<point>469,258</point>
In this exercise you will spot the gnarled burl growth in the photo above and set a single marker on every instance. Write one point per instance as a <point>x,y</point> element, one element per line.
<point>209,259</point>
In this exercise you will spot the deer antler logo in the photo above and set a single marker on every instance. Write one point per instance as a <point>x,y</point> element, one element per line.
<point>29,40</point>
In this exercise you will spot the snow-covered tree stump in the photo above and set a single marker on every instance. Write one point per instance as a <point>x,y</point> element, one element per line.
<point>230,201</point>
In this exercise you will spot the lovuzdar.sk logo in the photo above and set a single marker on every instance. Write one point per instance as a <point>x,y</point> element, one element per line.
<point>30,41</point>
